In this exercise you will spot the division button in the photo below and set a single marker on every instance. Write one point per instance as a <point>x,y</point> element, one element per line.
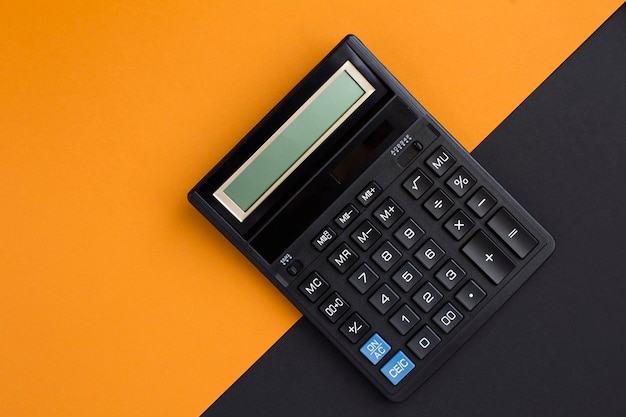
<point>438,204</point>
<point>313,287</point>
<point>512,233</point>
<point>447,318</point>
<point>375,348</point>
<point>481,202</point>
<point>423,342</point>
<point>354,328</point>
<point>488,257</point>
<point>459,224</point>
<point>397,368</point>
<point>369,194</point>
<point>334,307</point>
<point>440,161</point>
<point>343,258</point>
<point>470,295</point>
<point>417,184</point>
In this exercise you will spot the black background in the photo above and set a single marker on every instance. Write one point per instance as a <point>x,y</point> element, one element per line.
<point>558,346</point>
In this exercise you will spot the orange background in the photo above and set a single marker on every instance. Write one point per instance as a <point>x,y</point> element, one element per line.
<point>116,296</point>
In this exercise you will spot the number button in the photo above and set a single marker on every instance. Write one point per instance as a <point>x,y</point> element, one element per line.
<point>363,278</point>
<point>409,233</point>
<point>384,299</point>
<point>423,342</point>
<point>429,254</point>
<point>386,256</point>
<point>404,319</point>
<point>407,276</point>
<point>427,297</point>
<point>450,274</point>
<point>334,307</point>
<point>447,318</point>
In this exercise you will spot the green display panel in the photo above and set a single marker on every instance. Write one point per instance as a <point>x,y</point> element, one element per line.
<point>294,141</point>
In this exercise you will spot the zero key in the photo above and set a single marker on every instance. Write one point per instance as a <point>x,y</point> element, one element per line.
<point>488,257</point>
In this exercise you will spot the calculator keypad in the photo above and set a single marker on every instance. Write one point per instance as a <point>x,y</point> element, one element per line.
<point>420,255</point>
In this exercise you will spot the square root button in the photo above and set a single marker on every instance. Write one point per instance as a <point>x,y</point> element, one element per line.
<point>397,368</point>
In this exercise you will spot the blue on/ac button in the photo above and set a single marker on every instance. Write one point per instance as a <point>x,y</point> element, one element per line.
<point>375,348</point>
<point>397,368</point>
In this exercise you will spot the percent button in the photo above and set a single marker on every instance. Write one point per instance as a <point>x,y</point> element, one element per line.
<point>460,182</point>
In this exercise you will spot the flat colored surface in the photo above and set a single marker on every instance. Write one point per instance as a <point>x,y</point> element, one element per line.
<point>556,348</point>
<point>116,297</point>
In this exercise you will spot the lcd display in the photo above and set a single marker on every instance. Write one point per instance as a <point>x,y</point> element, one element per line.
<point>294,141</point>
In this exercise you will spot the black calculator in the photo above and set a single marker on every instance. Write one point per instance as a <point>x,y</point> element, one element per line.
<point>370,218</point>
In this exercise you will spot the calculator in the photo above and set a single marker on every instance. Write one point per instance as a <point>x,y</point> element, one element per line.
<point>372,220</point>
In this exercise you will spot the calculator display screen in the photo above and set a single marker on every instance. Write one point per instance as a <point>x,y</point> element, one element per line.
<point>294,141</point>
